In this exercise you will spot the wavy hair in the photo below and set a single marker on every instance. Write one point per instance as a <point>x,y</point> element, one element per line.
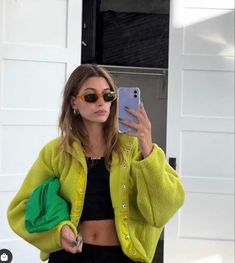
<point>72,126</point>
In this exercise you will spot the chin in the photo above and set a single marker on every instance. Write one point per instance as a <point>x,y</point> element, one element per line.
<point>101,120</point>
<point>98,120</point>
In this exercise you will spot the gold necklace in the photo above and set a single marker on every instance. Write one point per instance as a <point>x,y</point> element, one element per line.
<point>92,161</point>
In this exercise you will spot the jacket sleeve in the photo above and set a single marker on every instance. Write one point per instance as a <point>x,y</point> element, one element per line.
<point>47,241</point>
<point>159,190</point>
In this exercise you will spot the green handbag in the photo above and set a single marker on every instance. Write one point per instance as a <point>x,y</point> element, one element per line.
<point>45,208</point>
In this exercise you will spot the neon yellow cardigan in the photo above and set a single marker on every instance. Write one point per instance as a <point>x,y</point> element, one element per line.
<point>145,194</point>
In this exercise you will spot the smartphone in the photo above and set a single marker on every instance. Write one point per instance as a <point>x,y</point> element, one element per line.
<point>127,97</point>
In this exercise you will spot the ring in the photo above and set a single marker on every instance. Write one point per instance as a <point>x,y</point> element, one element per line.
<point>80,239</point>
<point>74,243</point>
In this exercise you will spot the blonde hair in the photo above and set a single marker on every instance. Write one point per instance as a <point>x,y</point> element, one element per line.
<point>72,126</point>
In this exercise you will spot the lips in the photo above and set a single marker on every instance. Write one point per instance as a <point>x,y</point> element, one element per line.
<point>101,112</point>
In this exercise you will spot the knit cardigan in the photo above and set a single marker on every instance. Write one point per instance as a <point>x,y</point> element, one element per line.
<point>145,194</point>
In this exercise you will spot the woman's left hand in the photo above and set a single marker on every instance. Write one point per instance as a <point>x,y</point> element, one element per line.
<point>143,130</point>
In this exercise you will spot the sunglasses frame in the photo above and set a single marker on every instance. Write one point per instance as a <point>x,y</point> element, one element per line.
<point>99,95</point>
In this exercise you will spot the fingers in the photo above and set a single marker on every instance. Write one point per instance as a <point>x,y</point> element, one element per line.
<point>69,241</point>
<point>142,129</point>
<point>80,242</point>
<point>141,115</point>
<point>67,234</point>
<point>143,123</point>
<point>131,124</point>
<point>137,114</point>
<point>142,110</point>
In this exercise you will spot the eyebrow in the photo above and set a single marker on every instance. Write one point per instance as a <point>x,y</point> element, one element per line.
<point>94,89</point>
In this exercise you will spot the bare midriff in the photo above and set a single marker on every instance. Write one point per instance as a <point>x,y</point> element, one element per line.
<point>99,232</point>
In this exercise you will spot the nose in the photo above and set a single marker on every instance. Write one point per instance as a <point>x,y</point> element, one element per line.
<point>100,101</point>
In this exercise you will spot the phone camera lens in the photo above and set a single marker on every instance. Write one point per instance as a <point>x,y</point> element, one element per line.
<point>135,91</point>
<point>135,96</point>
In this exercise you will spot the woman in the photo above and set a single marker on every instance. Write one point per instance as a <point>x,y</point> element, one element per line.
<point>121,189</point>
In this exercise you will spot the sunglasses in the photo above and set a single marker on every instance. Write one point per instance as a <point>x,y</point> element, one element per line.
<point>92,97</point>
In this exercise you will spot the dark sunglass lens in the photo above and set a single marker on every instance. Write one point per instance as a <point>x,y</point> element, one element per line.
<point>91,97</point>
<point>109,96</point>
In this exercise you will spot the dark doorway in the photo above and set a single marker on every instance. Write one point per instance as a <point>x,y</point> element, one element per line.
<point>130,38</point>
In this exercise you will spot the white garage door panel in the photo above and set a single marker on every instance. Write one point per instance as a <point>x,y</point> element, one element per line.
<point>29,117</point>
<point>204,32</point>
<point>205,251</point>
<point>33,22</point>
<point>11,183</point>
<point>22,157</point>
<point>209,185</point>
<point>32,84</point>
<point>198,85</point>
<point>215,4</point>
<point>197,221</point>
<point>211,156</point>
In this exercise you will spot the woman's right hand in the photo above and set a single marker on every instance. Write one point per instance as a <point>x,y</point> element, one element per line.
<point>69,241</point>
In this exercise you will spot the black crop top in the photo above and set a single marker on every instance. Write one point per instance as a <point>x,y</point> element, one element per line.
<point>97,203</point>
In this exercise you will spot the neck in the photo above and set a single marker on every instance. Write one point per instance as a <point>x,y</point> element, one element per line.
<point>96,140</point>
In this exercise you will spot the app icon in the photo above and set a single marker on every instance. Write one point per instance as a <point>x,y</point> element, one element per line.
<point>5,256</point>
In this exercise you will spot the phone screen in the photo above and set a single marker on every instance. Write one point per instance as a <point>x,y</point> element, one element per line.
<point>128,97</point>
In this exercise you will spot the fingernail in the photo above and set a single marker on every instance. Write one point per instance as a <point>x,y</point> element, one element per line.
<point>120,119</point>
<point>80,248</point>
<point>127,108</point>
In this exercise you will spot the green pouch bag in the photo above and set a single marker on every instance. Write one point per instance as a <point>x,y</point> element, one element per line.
<point>45,208</point>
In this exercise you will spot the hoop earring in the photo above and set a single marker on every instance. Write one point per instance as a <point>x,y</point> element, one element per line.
<point>76,112</point>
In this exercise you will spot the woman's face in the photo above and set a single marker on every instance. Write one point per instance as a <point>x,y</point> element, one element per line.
<point>96,112</point>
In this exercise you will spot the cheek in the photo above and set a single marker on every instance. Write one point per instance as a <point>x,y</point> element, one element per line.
<point>83,109</point>
<point>109,106</point>
<point>87,109</point>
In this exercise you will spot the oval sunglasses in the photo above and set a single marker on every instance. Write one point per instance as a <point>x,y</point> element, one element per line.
<point>92,97</point>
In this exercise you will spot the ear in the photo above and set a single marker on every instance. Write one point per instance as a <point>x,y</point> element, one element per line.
<point>73,103</point>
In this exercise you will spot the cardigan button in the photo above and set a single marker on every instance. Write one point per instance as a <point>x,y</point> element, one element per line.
<point>125,218</point>
<point>124,186</point>
<point>123,165</point>
<point>124,206</point>
<point>127,237</point>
